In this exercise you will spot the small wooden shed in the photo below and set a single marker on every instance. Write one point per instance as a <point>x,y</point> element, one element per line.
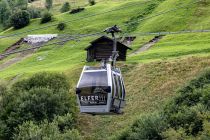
<point>102,48</point>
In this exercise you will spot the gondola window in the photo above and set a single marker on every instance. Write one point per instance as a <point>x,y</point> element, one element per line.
<point>92,87</point>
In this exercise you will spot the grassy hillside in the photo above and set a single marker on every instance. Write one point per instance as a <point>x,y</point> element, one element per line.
<point>58,3</point>
<point>151,77</point>
<point>173,46</point>
<point>64,54</point>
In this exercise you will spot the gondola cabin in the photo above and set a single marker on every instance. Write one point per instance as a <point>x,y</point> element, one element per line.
<point>101,49</point>
<point>101,90</point>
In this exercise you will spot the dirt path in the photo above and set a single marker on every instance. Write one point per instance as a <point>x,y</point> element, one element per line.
<point>147,46</point>
<point>16,59</point>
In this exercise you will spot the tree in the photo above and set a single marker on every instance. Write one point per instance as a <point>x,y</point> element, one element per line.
<point>20,19</point>
<point>65,7</point>
<point>48,4</point>
<point>5,13</point>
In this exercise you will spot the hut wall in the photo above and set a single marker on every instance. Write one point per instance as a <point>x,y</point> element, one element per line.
<point>103,50</point>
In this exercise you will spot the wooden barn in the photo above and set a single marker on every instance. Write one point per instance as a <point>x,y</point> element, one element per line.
<point>102,48</point>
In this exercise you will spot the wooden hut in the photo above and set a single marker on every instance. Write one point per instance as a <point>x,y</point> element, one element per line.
<point>102,48</point>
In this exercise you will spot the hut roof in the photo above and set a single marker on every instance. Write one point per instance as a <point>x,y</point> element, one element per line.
<point>106,38</point>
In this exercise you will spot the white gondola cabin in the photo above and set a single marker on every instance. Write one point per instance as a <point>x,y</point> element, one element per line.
<point>101,90</point>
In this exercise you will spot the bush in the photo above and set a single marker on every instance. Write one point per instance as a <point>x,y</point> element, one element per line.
<point>46,17</point>
<point>200,82</point>
<point>92,2</point>
<point>44,131</point>
<point>147,127</point>
<point>34,12</point>
<point>53,81</point>
<point>65,122</point>
<point>61,26</point>
<point>77,10</point>
<point>187,119</point>
<point>172,134</point>
<point>20,19</point>
<point>65,7</point>
<point>41,97</point>
<point>205,100</point>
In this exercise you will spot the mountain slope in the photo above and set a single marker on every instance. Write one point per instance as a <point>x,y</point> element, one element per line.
<point>60,56</point>
<point>151,77</point>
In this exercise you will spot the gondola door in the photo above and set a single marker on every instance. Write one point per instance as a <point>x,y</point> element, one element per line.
<point>118,91</point>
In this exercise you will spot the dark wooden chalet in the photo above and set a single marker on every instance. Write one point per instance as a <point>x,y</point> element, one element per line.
<point>102,48</point>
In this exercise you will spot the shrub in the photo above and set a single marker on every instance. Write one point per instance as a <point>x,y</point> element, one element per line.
<point>45,131</point>
<point>200,82</point>
<point>147,127</point>
<point>92,2</point>
<point>46,17</point>
<point>52,81</point>
<point>61,26</point>
<point>205,100</point>
<point>172,134</point>
<point>34,12</point>
<point>41,97</point>
<point>65,122</point>
<point>20,19</point>
<point>65,7</point>
<point>77,10</point>
<point>187,119</point>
